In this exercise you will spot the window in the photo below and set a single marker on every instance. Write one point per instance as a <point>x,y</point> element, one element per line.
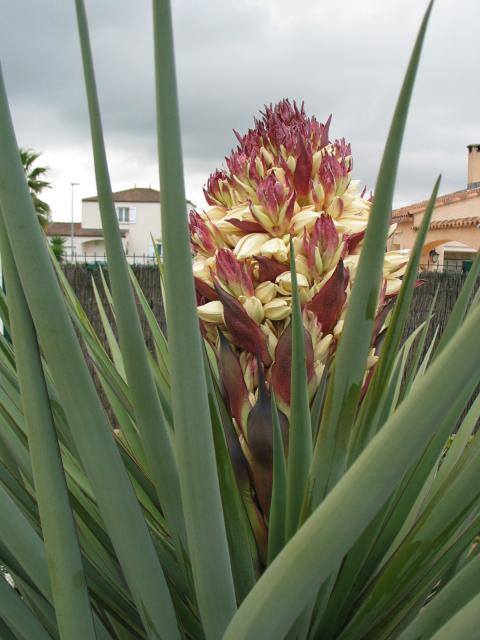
<point>458,261</point>
<point>123,214</point>
<point>154,249</point>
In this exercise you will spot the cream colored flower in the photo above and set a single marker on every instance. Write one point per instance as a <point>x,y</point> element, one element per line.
<point>393,286</point>
<point>214,213</point>
<point>250,244</point>
<point>395,262</point>
<point>322,347</point>
<point>266,291</point>
<point>284,284</point>
<point>354,223</point>
<point>275,248</point>
<point>351,263</point>
<point>272,339</point>
<point>201,269</point>
<point>211,312</point>
<point>337,331</point>
<point>304,220</point>
<point>253,307</point>
<point>277,309</point>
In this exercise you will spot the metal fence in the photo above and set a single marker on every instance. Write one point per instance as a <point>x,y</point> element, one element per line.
<point>101,258</point>
<point>449,266</point>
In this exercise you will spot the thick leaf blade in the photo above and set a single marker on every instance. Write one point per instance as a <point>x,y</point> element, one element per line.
<point>369,419</point>
<point>87,419</point>
<point>276,523</point>
<point>331,450</point>
<point>18,616</point>
<point>451,599</point>
<point>149,414</point>
<point>300,431</point>
<point>464,624</point>
<point>67,577</point>
<point>206,535</point>
<point>240,537</point>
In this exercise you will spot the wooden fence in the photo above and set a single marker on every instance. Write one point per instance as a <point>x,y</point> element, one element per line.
<point>80,277</point>
<point>448,284</point>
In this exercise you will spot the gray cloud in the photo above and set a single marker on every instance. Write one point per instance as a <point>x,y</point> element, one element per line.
<point>232,57</point>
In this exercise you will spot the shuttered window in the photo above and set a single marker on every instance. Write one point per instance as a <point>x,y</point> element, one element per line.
<point>123,214</point>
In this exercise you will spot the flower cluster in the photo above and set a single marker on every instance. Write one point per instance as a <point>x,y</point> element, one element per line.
<point>286,180</point>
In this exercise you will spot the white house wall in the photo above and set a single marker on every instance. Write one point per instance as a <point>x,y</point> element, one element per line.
<point>138,237</point>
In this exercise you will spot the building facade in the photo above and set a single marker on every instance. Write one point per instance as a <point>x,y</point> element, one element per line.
<point>138,212</point>
<point>453,237</point>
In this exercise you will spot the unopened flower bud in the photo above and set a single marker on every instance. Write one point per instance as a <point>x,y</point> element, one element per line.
<point>337,331</point>
<point>284,284</point>
<point>253,307</point>
<point>277,309</point>
<point>265,291</point>
<point>322,347</point>
<point>275,248</point>
<point>211,312</point>
<point>250,244</point>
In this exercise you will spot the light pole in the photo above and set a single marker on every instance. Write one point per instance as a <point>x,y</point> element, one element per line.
<point>72,184</point>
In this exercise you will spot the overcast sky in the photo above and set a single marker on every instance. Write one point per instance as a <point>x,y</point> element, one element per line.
<point>343,57</point>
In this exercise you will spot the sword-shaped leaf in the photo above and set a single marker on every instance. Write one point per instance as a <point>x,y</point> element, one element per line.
<point>206,535</point>
<point>331,450</point>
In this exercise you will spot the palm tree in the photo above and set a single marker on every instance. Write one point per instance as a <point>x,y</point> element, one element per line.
<point>58,247</point>
<point>36,183</point>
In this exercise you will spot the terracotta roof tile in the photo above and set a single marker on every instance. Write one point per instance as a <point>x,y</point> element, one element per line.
<point>65,229</point>
<point>137,194</point>
<point>405,213</point>
<point>454,223</point>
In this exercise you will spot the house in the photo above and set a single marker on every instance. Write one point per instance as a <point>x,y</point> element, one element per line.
<point>138,212</point>
<point>453,236</point>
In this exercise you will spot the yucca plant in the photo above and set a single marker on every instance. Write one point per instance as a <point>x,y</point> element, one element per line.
<point>286,475</point>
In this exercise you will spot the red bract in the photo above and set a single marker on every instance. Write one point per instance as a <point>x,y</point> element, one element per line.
<point>200,235</point>
<point>244,331</point>
<point>271,194</point>
<point>247,226</point>
<point>268,269</point>
<point>302,176</point>
<point>326,174</point>
<point>234,386</point>
<point>260,443</point>
<point>237,163</point>
<point>281,370</point>
<point>328,303</point>
<point>352,241</point>
<point>284,123</point>
<point>324,236</point>
<point>327,237</point>
<point>233,274</point>
<point>205,291</point>
<point>214,191</point>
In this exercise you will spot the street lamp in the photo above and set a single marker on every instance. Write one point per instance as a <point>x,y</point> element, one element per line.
<point>72,184</point>
<point>434,256</point>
